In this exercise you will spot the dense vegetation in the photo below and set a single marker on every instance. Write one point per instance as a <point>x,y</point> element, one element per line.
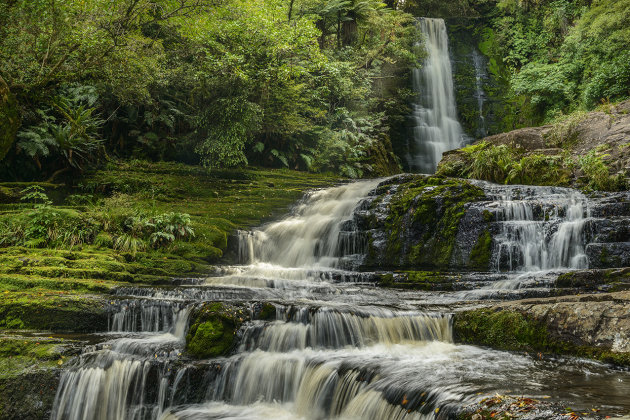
<point>305,84</point>
<point>556,56</point>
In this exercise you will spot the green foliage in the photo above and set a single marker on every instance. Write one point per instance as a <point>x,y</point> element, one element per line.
<point>559,56</point>
<point>35,194</point>
<point>598,174</point>
<point>491,163</point>
<point>70,129</point>
<point>538,169</point>
<point>223,84</point>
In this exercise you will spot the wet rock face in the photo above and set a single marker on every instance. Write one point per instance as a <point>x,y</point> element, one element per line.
<point>28,396</point>
<point>434,223</point>
<point>596,326</point>
<point>414,221</point>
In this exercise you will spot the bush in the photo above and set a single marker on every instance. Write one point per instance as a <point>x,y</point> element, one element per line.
<point>598,174</point>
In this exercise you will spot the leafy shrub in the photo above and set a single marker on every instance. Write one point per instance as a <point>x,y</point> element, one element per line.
<point>129,244</point>
<point>35,194</point>
<point>598,174</point>
<point>491,163</point>
<point>538,170</point>
<point>80,199</point>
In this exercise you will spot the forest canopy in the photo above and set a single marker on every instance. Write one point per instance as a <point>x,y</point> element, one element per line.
<point>306,84</point>
<point>318,85</point>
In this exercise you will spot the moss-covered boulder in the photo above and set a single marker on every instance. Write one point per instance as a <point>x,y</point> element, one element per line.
<point>413,221</point>
<point>594,326</point>
<point>30,368</point>
<point>213,329</point>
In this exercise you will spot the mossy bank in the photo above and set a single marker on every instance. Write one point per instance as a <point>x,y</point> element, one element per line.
<point>593,326</point>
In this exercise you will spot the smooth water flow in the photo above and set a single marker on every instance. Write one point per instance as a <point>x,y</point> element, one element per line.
<point>336,347</point>
<point>541,228</point>
<point>436,128</point>
<point>313,236</point>
<point>480,74</point>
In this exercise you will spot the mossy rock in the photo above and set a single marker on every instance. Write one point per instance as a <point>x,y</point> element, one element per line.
<point>267,312</point>
<point>423,221</point>
<point>52,313</point>
<point>213,329</point>
<point>515,331</point>
<point>481,253</point>
<point>418,280</point>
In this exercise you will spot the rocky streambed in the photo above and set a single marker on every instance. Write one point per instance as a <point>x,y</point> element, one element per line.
<point>411,297</point>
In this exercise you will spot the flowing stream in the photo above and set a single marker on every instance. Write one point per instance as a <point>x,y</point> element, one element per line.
<point>436,128</point>
<point>337,347</point>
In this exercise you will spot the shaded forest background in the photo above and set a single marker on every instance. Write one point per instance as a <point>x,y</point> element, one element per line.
<point>307,84</point>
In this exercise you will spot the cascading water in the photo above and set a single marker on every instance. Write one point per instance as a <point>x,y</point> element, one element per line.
<point>542,228</point>
<point>480,95</point>
<point>313,237</point>
<point>342,351</point>
<point>436,128</point>
<point>539,230</point>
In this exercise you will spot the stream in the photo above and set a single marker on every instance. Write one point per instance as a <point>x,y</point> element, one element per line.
<point>339,347</point>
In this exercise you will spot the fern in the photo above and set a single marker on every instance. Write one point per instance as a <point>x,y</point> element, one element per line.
<point>281,157</point>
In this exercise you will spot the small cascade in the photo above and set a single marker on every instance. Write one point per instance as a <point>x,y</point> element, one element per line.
<point>541,228</point>
<point>144,316</point>
<point>314,235</point>
<point>332,328</point>
<point>112,380</point>
<point>436,128</point>
<point>480,74</point>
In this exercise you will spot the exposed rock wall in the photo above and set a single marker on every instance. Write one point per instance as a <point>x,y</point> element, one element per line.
<point>434,223</point>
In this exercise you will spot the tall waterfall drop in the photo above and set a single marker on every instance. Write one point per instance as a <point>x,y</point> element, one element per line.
<point>436,129</point>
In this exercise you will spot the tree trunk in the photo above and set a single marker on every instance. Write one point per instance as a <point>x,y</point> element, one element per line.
<point>10,118</point>
<point>290,9</point>
<point>349,30</point>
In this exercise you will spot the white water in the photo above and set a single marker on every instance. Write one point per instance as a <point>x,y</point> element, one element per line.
<point>542,228</point>
<point>336,351</point>
<point>480,95</point>
<point>312,237</point>
<point>436,129</point>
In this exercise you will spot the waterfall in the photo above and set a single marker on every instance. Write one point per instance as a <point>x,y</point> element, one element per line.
<point>480,95</point>
<point>112,382</point>
<point>331,328</point>
<point>436,129</point>
<point>537,228</point>
<point>343,351</point>
<point>314,235</point>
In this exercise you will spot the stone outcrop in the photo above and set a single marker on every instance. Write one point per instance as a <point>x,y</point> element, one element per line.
<point>596,326</point>
<point>605,132</point>
<point>417,222</point>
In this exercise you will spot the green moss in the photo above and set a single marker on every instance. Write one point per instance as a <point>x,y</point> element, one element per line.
<point>612,280</point>
<point>268,312</point>
<point>418,280</point>
<point>104,240</point>
<point>434,207</point>
<point>213,329</point>
<point>481,253</point>
<point>42,310</point>
<point>515,331</point>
